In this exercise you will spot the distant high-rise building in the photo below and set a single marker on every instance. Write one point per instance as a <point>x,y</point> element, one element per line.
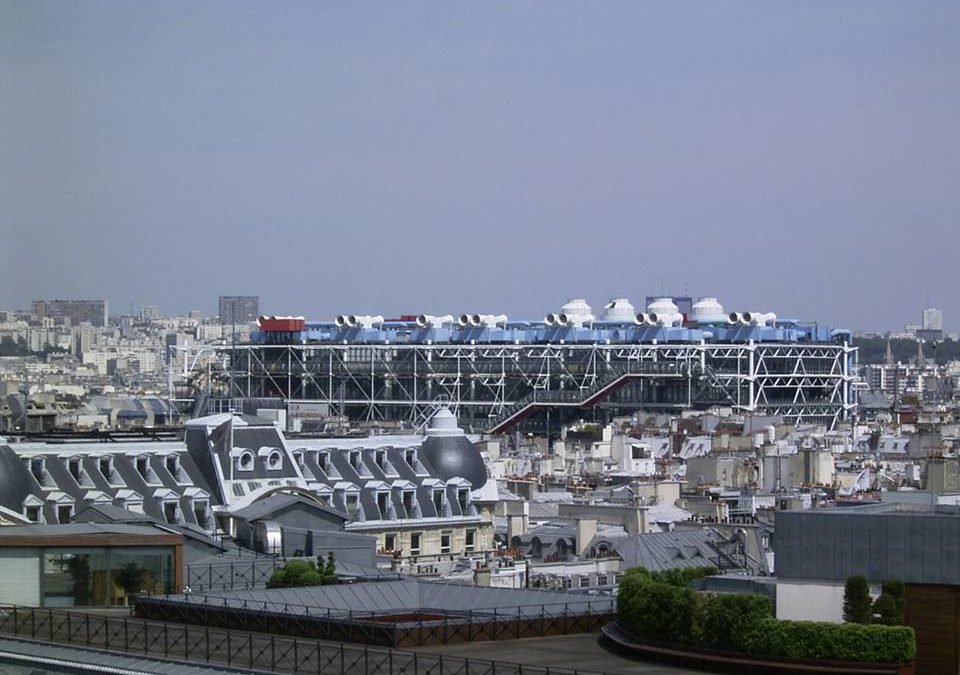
<point>239,308</point>
<point>932,319</point>
<point>931,328</point>
<point>149,312</point>
<point>73,312</point>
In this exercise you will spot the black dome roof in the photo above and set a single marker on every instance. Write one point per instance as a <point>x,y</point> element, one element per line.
<point>451,456</point>
<point>449,453</point>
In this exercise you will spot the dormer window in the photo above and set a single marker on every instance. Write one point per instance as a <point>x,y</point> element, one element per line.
<point>323,460</point>
<point>37,469</point>
<point>438,501</point>
<point>408,503</point>
<point>201,511</point>
<point>355,460</point>
<point>105,464</point>
<point>32,513</point>
<point>64,513</point>
<point>171,512</point>
<point>172,462</point>
<point>75,468</point>
<point>272,458</point>
<point>244,461</point>
<point>298,458</point>
<point>381,459</point>
<point>353,504</point>
<point>143,467</point>
<point>463,496</point>
<point>382,503</point>
<point>411,457</point>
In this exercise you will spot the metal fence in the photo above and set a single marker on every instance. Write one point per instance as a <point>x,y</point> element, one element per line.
<point>231,575</point>
<point>241,649</point>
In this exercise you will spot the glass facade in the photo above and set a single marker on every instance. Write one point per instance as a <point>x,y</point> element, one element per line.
<point>104,576</point>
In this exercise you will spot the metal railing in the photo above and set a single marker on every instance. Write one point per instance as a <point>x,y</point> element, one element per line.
<point>242,649</point>
<point>413,627</point>
<point>585,607</point>
<point>241,574</point>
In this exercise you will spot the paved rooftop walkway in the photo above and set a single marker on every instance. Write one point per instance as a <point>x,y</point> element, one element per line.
<point>564,651</point>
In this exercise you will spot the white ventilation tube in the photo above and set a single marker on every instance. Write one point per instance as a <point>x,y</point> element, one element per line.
<point>430,321</point>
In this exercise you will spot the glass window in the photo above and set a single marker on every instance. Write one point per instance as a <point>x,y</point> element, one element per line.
<point>80,577</point>
<point>415,543</point>
<point>352,505</point>
<point>445,538</point>
<point>471,540</point>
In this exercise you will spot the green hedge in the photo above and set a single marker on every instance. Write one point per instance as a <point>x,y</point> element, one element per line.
<point>654,610</point>
<point>730,621</point>
<point>835,641</point>
<point>664,612</point>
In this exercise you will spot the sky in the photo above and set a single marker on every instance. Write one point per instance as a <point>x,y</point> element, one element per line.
<point>444,157</point>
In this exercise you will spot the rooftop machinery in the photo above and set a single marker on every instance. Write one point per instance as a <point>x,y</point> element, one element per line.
<point>494,372</point>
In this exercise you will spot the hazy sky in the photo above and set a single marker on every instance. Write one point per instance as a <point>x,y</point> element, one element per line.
<point>405,157</point>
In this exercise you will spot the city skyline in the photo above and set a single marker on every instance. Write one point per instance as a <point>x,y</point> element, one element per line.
<point>795,159</point>
<point>135,309</point>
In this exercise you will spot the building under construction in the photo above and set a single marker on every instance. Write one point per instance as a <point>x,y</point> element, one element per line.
<point>495,373</point>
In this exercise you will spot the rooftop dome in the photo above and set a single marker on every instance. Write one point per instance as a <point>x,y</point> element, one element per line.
<point>708,310</point>
<point>619,309</point>
<point>663,307</point>
<point>576,307</point>
<point>449,452</point>
<point>444,423</point>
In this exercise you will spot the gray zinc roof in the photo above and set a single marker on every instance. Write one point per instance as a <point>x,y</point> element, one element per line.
<point>398,597</point>
<point>266,507</point>
<point>660,551</point>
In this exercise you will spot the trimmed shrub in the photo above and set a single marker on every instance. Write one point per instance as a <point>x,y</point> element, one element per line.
<point>731,621</point>
<point>298,573</point>
<point>834,641</point>
<point>888,608</point>
<point>857,605</point>
<point>656,611</point>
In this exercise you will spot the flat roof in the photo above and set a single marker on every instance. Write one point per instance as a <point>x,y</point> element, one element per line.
<point>86,534</point>
<point>399,597</point>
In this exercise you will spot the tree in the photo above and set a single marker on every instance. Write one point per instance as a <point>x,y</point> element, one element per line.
<point>888,608</point>
<point>79,568</point>
<point>857,606</point>
<point>297,573</point>
<point>131,577</point>
<point>330,568</point>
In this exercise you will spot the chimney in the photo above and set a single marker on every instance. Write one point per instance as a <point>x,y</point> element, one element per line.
<point>586,531</point>
<point>518,519</point>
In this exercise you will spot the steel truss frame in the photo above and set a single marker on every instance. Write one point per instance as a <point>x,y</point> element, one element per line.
<point>803,382</point>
